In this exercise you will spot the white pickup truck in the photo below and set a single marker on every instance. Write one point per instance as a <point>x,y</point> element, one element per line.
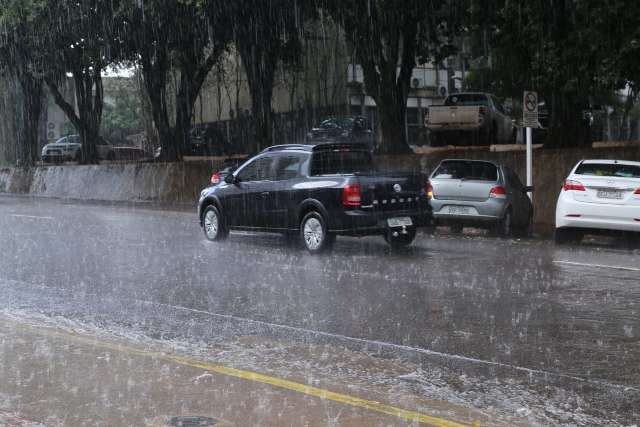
<point>469,118</point>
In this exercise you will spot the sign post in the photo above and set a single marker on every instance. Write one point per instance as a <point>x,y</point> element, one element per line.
<point>529,121</point>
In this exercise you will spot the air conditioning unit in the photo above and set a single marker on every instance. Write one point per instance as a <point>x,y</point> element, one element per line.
<point>442,90</point>
<point>416,83</point>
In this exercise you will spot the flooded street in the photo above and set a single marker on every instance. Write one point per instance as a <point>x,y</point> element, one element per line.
<point>520,309</point>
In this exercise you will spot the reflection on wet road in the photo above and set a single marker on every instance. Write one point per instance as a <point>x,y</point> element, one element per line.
<point>570,310</point>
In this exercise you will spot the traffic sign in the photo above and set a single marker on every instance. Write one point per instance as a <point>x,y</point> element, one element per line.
<point>530,109</point>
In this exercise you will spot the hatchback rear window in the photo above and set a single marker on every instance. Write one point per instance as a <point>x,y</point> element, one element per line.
<point>609,169</point>
<point>341,162</point>
<point>478,171</point>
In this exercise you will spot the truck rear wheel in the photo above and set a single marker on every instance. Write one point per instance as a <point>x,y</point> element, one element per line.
<point>315,236</point>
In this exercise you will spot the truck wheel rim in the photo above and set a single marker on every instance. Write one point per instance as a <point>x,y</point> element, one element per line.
<point>211,224</point>
<point>313,233</point>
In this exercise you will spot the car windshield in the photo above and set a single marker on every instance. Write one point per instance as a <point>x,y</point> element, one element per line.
<point>469,99</point>
<point>609,170</point>
<point>477,171</point>
<point>341,162</point>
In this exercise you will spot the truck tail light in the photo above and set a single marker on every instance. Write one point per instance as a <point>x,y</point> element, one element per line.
<point>351,195</point>
<point>215,178</point>
<point>481,113</point>
<point>498,192</point>
<point>571,185</point>
<point>429,191</point>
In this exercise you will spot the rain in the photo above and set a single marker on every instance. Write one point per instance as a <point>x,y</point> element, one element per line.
<point>319,213</point>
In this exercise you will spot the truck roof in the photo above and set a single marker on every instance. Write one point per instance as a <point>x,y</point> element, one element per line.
<point>317,146</point>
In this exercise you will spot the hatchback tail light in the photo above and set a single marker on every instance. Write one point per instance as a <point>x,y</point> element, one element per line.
<point>351,195</point>
<point>498,192</point>
<point>571,185</point>
<point>429,191</point>
<point>637,192</point>
<point>215,178</point>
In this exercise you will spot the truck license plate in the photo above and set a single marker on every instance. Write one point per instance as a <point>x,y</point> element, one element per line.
<point>404,221</point>
<point>609,194</point>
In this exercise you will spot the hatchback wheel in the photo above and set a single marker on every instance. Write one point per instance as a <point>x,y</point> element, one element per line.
<point>504,227</point>
<point>213,224</point>
<point>315,236</point>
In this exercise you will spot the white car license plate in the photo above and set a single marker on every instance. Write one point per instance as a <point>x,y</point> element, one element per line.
<point>609,194</point>
<point>460,210</point>
<point>404,221</point>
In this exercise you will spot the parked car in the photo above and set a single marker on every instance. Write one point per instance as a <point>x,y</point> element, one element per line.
<point>70,148</point>
<point>599,195</point>
<point>228,166</point>
<point>470,118</point>
<point>480,194</point>
<point>316,192</point>
<point>343,129</point>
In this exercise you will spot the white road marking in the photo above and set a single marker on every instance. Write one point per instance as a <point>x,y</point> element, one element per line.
<point>31,216</point>
<point>584,264</point>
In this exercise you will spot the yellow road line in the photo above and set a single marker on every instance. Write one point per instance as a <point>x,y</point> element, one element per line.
<point>345,399</point>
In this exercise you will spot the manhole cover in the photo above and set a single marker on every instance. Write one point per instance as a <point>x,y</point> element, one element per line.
<point>196,421</point>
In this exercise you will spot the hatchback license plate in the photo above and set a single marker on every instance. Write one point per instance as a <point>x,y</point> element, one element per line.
<point>404,221</point>
<point>460,210</point>
<point>606,194</point>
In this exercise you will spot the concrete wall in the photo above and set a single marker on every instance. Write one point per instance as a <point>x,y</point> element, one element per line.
<point>175,183</point>
<point>181,182</point>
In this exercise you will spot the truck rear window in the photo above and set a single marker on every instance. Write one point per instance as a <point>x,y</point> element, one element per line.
<point>466,99</point>
<point>341,162</point>
<point>609,169</point>
<point>478,171</point>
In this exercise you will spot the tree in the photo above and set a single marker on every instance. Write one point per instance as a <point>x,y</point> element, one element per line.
<point>265,32</point>
<point>82,41</point>
<point>571,52</point>
<point>165,35</point>
<point>21,59</point>
<point>388,37</point>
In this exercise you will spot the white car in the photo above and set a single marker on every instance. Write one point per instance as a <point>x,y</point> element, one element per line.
<point>599,195</point>
<point>69,148</point>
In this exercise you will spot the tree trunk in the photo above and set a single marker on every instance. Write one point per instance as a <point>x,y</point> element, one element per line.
<point>30,124</point>
<point>259,67</point>
<point>568,128</point>
<point>89,96</point>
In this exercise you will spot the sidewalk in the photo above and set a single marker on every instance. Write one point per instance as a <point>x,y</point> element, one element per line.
<point>55,378</point>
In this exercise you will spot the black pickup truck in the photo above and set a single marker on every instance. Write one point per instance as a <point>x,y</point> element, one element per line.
<point>317,192</point>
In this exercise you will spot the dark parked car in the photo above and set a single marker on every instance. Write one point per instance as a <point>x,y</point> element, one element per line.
<point>228,166</point>
<point>317,192</point>
<point>343,129</point>
<point>482,194</point>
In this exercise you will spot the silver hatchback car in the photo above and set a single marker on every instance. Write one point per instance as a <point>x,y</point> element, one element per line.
<point>480,194</point>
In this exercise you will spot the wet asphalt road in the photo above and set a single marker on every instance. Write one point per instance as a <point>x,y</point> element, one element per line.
<point>567,310</point>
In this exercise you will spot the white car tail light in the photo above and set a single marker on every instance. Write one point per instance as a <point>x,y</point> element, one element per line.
<point>571,185</point>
